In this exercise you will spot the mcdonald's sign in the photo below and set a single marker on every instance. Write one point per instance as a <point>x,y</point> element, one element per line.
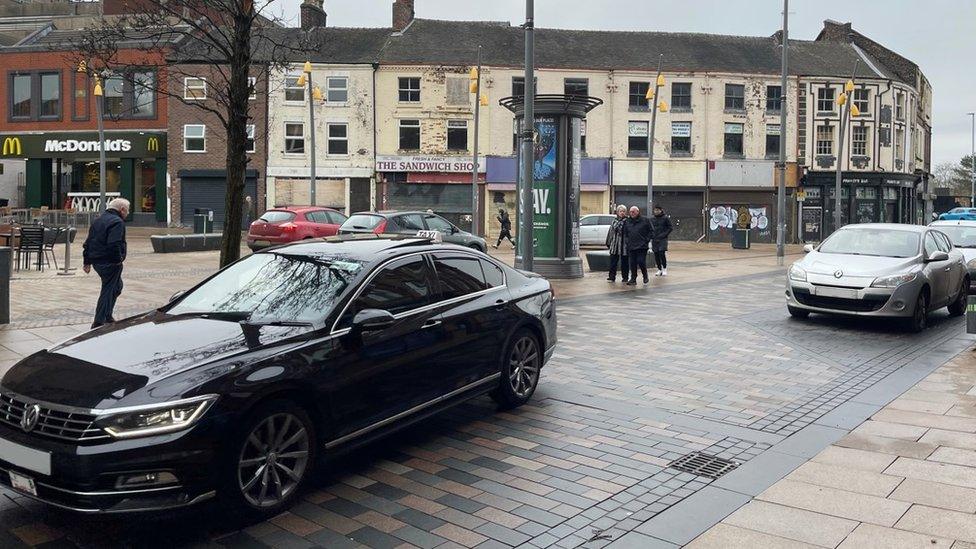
<point>12,147</point>
<point>152,145</point>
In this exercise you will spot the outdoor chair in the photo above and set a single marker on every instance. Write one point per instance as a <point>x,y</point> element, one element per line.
<point>51,237</point>
<point>31,244</point>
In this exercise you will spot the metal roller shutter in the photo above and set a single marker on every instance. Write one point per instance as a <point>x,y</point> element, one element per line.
<point>685,209</point>
<point>209,192</point>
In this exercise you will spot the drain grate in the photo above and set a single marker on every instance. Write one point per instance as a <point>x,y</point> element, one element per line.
<point>703,465</point>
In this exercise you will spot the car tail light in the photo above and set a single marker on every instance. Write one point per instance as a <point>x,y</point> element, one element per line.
<point>289,227</point>
<point>552,293</point>
<point>380,227</point>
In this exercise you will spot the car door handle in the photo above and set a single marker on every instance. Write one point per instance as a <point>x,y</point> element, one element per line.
<point>430,324</point>
<point>947,269</point>
<point>500,304</point>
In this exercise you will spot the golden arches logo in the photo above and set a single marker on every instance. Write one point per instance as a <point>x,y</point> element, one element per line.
<point>12,147</point>
<point>153,144</point>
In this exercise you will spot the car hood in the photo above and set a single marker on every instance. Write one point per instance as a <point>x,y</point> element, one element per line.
<point>99,368</point>
<point>855,265</point>
<point>968,254</point>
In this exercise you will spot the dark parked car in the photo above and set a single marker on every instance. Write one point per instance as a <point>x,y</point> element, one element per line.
<point>234,388</point>
<point>291,224</point>
<point>410,223</point>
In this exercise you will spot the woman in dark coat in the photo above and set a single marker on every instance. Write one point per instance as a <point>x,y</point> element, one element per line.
<point>662,229</point>
<point>506,227</point>
<point>617,245</point>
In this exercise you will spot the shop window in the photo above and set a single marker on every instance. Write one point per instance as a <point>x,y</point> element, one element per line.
<point>35,95</point>
<point>637,138</point>
<point>409,135</point>
<point>680,138</point>
<point>336,89</point>
<point>825,140</point>
<point>681,96</point>
<point>774,99</point>
<point>825,99</point>
<point>638,95</point>
<point>579,87</point>
<point>409,90</point>
<point>146,185</point>
<point>194,138</point>
<point>735,97</point>
<point>194,89</point>
<point>862,99</point>
<point>457,135</point>
<point>866,193</point>
<point>773,136</point>
<point>293,92</point>
<point>250,142</point>
<point>733,140</point>
<point>338,138</point>
<point>294,138</point>
<point>859,141</point>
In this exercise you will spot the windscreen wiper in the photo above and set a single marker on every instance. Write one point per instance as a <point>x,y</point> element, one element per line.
<point>262,324</point>
<point>236,316</point>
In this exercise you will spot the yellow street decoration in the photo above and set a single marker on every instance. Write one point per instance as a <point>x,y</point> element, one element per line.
<point>662,106</point>
<point>842,99</point>
<point>484,100</point>
<point>849,87</point>
<point>660,80</point>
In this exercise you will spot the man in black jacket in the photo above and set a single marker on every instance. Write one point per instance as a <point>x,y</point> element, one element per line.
<point>640,232</point>
<point>105,250</point>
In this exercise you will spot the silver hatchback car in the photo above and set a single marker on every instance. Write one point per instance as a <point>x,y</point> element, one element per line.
<point>880,270</point>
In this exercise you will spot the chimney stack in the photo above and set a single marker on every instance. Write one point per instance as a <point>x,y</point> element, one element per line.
<point>312,14</point>
<point>402,14</point>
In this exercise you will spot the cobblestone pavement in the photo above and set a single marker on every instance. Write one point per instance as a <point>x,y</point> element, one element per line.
<point>640,379</point>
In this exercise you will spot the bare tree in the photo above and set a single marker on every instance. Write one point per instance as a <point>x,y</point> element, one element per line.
<point>229,40</point>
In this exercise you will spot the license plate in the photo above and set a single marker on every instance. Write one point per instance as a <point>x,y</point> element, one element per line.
<point>25,458</point>
<point>23,484</point>
<point>837,292</point>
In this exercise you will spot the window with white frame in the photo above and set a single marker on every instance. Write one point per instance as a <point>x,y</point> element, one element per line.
<point>252,86</point>
<point>733,139</point>
<point>825,140</point>
<point>899,144</point>
<point>637,138</point>
<point>338,135</point>
<point>409,90</point>
<point>194,89</point>
<point>862,100</point>
<point>859,141</point>
<point>337,89</point>
<point>772,140</point>
<point>680,138</point>
<point>293,92</point>
<point>825,99</point>
<point>194,138</point>
<point>294,138</point>
<point>457,135</point>
<point>250,144</point>
<point>735,97</point>
<point>899,106</point>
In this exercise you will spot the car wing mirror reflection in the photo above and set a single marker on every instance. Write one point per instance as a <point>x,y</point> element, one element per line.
<point>371,320</point>
<point>176,295</point>
<point>938,256</point>
<point>808,248</point>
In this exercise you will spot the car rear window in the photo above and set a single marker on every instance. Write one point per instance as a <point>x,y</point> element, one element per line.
<point>277,216</point>
<point>362,221</point>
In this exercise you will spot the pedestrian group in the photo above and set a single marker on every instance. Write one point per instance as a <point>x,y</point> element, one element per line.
<point>629,239</point>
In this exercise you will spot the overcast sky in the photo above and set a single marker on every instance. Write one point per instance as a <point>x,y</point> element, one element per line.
<point>936,34</point>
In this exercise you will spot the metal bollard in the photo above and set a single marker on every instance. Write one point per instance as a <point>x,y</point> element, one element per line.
<point>67,270</point>
<point>971,314</point>
<point>6,255</point>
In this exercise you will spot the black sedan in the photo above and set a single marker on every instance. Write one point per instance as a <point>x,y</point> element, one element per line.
<point>237,386</point>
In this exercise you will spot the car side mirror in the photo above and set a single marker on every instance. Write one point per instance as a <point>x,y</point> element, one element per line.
<point>938,256</point>
<point>372,320</point>
<point>808,248</point>
<point>176,295</point>
<point>454,230</point>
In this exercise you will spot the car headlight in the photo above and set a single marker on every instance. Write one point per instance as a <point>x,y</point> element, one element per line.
<point>156,419</point>
<point>797,273</point>
<point>893,281</point>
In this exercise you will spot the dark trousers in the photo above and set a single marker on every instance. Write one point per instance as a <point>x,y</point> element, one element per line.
<point>661,259</point>
<point>111,276</point>
<point>638,260</point>
<point>624,270</point>
<point>505,233</point>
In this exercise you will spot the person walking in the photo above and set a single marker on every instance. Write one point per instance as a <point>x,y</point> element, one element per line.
<point>639,233</point>
<point>104,251</point>
<point>661,223</point>
<point>506,225</point>
<point>617,245</point>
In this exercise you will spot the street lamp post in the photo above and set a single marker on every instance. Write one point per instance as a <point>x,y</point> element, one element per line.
<point>654,106</point>
<point>99,95</point>
<point>525,202</point>
<point>845,115</point>
<point>972,163</point>
<point>314,94</point>
<point>479,100</point>
<point>781,188</point>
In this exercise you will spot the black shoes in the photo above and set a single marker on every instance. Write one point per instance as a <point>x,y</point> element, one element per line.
<point>632,283</point>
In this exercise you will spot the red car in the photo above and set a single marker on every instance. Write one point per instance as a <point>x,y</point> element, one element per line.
<point>292,223</point>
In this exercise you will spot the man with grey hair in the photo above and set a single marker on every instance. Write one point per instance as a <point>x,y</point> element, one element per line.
<point>105,250</point>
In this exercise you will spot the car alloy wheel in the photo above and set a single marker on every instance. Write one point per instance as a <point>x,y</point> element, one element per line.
<point>273,461</point>
<point>920,315</point>
<point>524,362</point>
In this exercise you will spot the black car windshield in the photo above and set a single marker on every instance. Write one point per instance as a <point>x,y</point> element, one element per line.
<point>362,221</point>
<point>273,287</point>
<point>962,236</point>
<point>875,242</point>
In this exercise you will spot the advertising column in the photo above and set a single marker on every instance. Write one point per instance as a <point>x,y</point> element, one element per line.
<point>545,185</point>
